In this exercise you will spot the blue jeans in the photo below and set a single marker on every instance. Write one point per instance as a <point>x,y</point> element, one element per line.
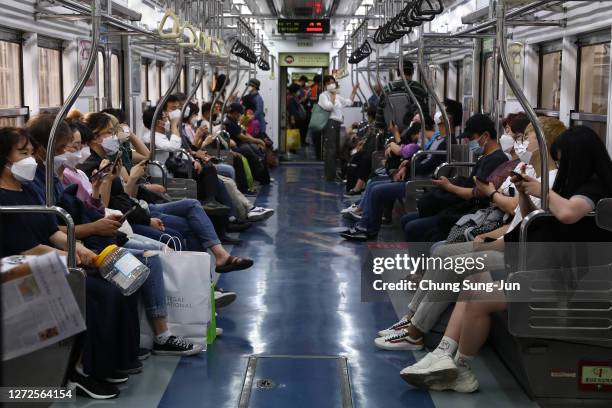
<point>363,202</point>
<point>380,193</point>
<point>416,228</point>
<point>188,217</point>
<point>226,170</point>
<point>153,291</point>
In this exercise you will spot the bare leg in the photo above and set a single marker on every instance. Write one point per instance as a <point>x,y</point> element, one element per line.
<point>160,325</point>
<point>359,185</point>
<point>220,253</point>
<point>453,329</point>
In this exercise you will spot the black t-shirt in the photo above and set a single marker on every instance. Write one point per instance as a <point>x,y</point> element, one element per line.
<point>486,164</point>
<point>119,199</point>
<point>27,230</point>
<point>234,131</point>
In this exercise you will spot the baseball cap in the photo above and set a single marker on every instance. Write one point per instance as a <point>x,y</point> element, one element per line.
<point>254,82</point>
<point>235,107</point>
<point>478,124</point>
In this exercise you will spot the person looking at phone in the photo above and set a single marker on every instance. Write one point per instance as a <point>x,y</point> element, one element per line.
<point>186,217</point>
<point>425,308</point>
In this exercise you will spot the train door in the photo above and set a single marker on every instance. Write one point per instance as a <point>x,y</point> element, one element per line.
<point>292,67</point>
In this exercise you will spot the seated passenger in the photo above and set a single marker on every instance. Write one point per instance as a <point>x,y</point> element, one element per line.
<point>204,173</point>
<point>360,163</point>
<point>185,216</point>
<point>380,193</point>
<point>426,307</point>
<point>152,290</point>
<point>250,147</point>
<point>584,177</point>
<point>422,226</point>
<point>109,315</point>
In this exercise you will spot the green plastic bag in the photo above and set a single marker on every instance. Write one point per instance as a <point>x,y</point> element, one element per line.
<point>318,119</point>
<point>247,172</point>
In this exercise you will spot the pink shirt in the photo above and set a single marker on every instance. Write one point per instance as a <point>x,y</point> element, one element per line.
<point>85,189</point>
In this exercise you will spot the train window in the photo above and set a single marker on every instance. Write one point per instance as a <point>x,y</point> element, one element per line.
<point>10,83</point>
<point>49,77</point>
<point>144,82</point>
<point>100,65</point>
<point>154,82</point>
<point>487,80</point>
<point>549,93</point>
<point>115,81</point>
<point>594,78</point>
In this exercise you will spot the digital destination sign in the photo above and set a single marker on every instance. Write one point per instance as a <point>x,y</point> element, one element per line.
<point>303,26</point>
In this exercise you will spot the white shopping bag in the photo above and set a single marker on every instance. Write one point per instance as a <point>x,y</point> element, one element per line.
<point>187,281</point>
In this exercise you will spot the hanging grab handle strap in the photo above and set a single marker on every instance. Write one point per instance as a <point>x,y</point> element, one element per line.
<point>176,26</point>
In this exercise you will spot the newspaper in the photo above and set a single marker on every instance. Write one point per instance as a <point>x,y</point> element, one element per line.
<point>38,307</point>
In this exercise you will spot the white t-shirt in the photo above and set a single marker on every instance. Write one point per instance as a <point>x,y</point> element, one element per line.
<point>518,217</point>
<point>163,147</point>
<point>335,109</point>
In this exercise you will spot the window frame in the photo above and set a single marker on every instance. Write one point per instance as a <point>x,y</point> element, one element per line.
<point>117,53</point>
<point>23,111</point>
<point>145,62</point>
<point>592,120</point>
<point>545,49</point>
<point>56,45</point>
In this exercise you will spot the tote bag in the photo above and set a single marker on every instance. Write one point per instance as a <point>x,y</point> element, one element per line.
<point>293,139</point>
<point>318,118</point>
<point>187,281</point>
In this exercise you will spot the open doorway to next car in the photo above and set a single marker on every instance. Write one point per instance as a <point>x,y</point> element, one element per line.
<point>300,83</point>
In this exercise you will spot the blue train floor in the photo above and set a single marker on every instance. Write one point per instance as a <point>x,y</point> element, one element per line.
<point>301,298</point>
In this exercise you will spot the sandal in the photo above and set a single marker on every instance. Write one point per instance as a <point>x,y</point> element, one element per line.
<point>234,263</point>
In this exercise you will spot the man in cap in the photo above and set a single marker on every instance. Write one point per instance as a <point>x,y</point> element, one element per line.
<point>253,100</point>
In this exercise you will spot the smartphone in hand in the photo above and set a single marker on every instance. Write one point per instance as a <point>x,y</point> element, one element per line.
<point>517,175</point>
<point>124,216</point>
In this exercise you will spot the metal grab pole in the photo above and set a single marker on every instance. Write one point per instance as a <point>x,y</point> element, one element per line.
<point>158,110</point>
<point>195,88</point>
<point>421,66</point>
<point>533,118</point>
<point>216,99</point>
<point>409,90</point>
<point>501,42</point>
<point>49,167</point>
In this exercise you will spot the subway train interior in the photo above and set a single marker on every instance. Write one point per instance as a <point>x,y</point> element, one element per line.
<point>306,203</point>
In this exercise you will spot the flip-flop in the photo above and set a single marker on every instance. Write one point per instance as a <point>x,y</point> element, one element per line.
<point>234,263</point>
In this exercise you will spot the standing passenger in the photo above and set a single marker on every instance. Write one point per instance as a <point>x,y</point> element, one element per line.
<point>333,103</point>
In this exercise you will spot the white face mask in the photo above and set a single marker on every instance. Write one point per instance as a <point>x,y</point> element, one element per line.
<point>194,123</point>
<point>110,145</point>
<point>250,89</point>
<point>24,170</point>
<point>525,156</point>
<point>85,153</point>
<point>331,88</point>
<point>59,161</point>
<point>506,142</point>
<point>438,119</point>
<point>520,146</point>
<point>68,159</point>
<point>175,114</point>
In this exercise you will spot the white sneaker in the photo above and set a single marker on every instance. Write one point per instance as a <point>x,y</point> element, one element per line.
<point>219,331</point>
<point>465,381</point>
<point>259,214</point>
<point>399,325</point>
<point>353,215</point>
<point>352,208</point>
<point>438,368</point>
<point>400,340</point>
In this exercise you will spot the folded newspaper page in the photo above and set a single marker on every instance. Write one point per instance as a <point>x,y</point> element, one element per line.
<point>38,307</point>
